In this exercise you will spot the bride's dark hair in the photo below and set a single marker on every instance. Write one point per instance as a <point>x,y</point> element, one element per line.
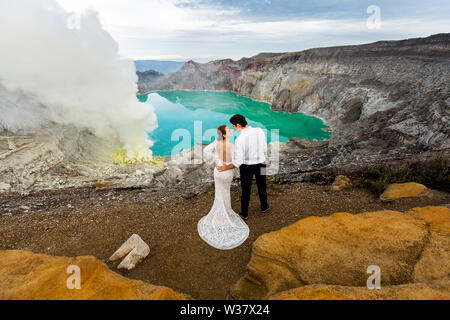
<point>221,131</point>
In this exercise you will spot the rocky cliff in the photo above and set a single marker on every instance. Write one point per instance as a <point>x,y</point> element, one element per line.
<point>384,100</point>
<point>146,78</point>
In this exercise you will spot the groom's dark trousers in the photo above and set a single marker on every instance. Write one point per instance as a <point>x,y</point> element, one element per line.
<point>247,173</point>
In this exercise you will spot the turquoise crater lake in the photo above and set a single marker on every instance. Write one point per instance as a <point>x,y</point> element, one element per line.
<point>188,116</point>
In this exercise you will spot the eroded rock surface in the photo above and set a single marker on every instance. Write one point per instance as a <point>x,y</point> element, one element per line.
<point>63,156</point>
<point>28,276</point>
<point>410,248</point>
<point>436,290</point>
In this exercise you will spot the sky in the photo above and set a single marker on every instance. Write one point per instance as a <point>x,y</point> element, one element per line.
<point>205,30</point>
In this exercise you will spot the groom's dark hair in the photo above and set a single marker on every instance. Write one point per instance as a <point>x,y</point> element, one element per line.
<point>238,119</point>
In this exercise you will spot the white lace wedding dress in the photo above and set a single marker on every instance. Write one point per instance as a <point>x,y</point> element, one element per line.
<point>222,228</point>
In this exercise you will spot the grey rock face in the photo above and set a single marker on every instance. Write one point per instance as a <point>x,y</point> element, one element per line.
<point>62,156</point>
<point>146,78</point>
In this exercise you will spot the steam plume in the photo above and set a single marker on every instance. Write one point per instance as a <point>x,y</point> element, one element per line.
<point>65,70</point>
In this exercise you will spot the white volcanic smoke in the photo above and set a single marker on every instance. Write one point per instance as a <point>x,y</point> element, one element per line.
<point>71,76</point>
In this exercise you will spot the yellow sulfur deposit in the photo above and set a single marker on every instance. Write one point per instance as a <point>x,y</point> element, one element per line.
<point>120,157</point>
<point>159,161</point>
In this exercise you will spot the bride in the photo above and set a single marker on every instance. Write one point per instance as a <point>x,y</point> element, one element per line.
<point>222,228</point>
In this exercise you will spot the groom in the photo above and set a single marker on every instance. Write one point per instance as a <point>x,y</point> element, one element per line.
<point>249,157</point>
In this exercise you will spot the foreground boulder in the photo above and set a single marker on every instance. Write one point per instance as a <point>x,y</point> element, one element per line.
<point>409,248</point>
<point>403,190</point>
<point>28,276</point>
<point>437,290</point>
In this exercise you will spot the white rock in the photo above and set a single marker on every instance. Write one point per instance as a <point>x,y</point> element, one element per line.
<point>12,144</point>
<point>136,250</point>
<point>4,187</point>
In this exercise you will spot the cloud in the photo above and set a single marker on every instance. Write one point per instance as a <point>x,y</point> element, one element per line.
<point>236,28</point>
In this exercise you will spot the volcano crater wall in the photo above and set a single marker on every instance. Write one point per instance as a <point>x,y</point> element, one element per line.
<point>381,100</point>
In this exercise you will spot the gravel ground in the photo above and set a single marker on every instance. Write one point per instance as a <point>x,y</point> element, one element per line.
<point>87,221</point>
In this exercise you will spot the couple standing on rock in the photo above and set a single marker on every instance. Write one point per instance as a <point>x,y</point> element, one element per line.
<point>223,228</point>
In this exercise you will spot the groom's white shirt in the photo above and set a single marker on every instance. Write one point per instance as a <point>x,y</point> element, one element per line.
<point>250,147</point>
